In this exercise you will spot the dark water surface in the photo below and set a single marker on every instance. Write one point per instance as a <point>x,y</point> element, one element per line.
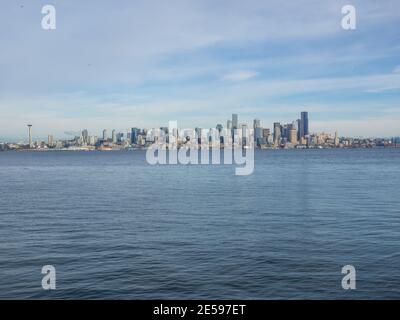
<point>115,227</point>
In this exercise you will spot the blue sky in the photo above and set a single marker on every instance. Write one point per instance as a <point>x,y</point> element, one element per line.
<point>142,63</point>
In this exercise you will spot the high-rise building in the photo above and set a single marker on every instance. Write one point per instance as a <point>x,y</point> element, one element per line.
<point>245,134</point>
<point>197,131</point>
<point>30,135</point>
<point>114,136</point>
<point>134,135</point>
<point>256,123</point>
<point>235,124</point>
<point>285,130</point>
<point>85,136</point>
<point>257,130</point>
<point>50,140</point>
<point>298,129</point>
<point>277,133</point>
<point>120,137</point>
<point>92,140</point>
<point>229,124</point>
<point>105,135</point>
<point>258,134</point>
<point>293,135</point>
<point>266,132</point>
<point>304,124</point>
<point>337,141</point>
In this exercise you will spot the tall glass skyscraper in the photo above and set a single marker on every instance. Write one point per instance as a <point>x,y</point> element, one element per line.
<point>277,133</point>
<point>134,135</point>
<point>234,121</point>
<point>304,124</point>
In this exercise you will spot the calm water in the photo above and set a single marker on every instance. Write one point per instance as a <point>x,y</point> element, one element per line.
<point>115,227</point>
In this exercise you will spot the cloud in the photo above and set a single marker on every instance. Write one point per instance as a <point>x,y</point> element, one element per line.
<point>240,75</point>
<point>153,61</point>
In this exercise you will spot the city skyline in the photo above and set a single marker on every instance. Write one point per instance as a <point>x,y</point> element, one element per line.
<point>232,123</point>
<point>152,64</point>
<point>295,134</point>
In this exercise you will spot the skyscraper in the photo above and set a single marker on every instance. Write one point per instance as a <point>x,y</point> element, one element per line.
<point>258,134</point>
<point>337,141</point>
<point>234,121</point>
<point>245,134</point>
<point>134,135</point>
<point>229,124</point>
<point>293,135</point>
<point>256,123</point>
<point>298,129</point>
<point>304,124</point>
<point>85,136</point>
<point>50,140</point>
<point>30,135</point>
<point>266,132</point>
<point>114,136</point>
<point>277,133</point>
<point>105,135</point>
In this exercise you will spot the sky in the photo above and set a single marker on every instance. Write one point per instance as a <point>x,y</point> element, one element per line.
<point>122,64</point>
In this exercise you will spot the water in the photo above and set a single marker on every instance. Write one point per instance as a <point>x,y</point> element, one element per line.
<point>115,227</point>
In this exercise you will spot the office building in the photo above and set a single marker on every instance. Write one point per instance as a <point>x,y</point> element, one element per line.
<point>256,123</point>
<point>336,139</point>
<point>134,135</point>
<point>304,124</point>
<point>85,136</point>
<point>245,134</point>
<point>277,133</point>
<point>50,140</point>
<point>235,124</point>
<point>258,134</point>
<point>293,135</point>
<point>298,126</point>
<point>114,136</point>
<point>30,135</point>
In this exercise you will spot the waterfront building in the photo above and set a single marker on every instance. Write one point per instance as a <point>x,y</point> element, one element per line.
<point>245,134</point>
<point>114,136</point>
<point>256,123</point>
<point>30,135</point>
<point>85,136</point>
<point>134,135</point>
<point>257,130</point>
<point>92,140</point>
<point>298,126</point>
<point>235,124</point>
<point>336,139</point>
<point>304,124</point>
<point>277,133</point>
<point>293,136</point>
<point>50,140</point>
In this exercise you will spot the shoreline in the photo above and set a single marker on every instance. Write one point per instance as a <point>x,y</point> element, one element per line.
<point>145,149</point>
